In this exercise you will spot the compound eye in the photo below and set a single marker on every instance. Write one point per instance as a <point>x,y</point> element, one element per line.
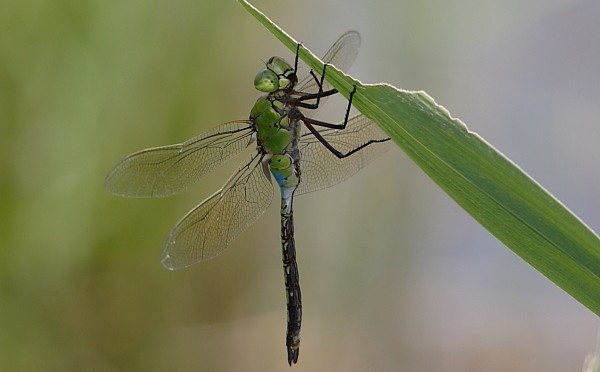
<point>266,81</point>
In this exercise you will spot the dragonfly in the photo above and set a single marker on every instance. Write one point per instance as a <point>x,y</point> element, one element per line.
<point>300,153</point>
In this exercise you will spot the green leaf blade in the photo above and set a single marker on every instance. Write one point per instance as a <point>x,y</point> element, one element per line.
<point>496,192</point>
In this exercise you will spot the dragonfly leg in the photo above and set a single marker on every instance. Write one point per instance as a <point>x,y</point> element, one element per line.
<point>330,147</point>
<point>321,84</point>
<point>325,124</point>
<point>311,123</point>
<point>317,96</point>
<point>297,102</point>
<point>296,59</point>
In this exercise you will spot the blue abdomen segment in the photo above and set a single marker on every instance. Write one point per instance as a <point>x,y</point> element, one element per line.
<point>283,169</point>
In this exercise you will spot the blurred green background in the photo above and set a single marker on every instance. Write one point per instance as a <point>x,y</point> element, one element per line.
<point>394,275</point>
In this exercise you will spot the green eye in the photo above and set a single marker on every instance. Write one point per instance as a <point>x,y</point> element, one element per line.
<point>277,75</point>
<point>266,81</point>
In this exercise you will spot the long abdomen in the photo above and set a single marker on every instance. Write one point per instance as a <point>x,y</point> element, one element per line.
<point>287,174</point>
<point>292,281</point>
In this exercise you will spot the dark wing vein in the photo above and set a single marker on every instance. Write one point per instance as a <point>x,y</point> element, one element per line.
<point>211,226</point>
<point>164,171</point>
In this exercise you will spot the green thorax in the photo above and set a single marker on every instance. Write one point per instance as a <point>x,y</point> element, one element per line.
<point>275,132</point>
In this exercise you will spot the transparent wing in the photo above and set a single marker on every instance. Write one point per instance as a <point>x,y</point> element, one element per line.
<point>164,171</point>
<point>208,229</point>
<point>322,169</point>
<point>341,54</point>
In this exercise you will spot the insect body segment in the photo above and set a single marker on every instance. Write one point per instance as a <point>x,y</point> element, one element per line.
<point>300,162</point>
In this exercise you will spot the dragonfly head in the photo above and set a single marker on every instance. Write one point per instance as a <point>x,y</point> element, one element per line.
<point>277,75</point>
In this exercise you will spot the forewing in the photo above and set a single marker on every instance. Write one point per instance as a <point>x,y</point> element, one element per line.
<point>210,227</point>
<point>320,168</point>
<point>341,54</point>
<point>164,171</point>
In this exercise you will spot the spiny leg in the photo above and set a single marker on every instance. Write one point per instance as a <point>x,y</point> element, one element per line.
<point>313,106</point>
<point>331,125</point>
<point>296,59</point>
<point>335,151</point>
<point>319,82</point>
<point>298,101</point>
<point>311,123</point>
